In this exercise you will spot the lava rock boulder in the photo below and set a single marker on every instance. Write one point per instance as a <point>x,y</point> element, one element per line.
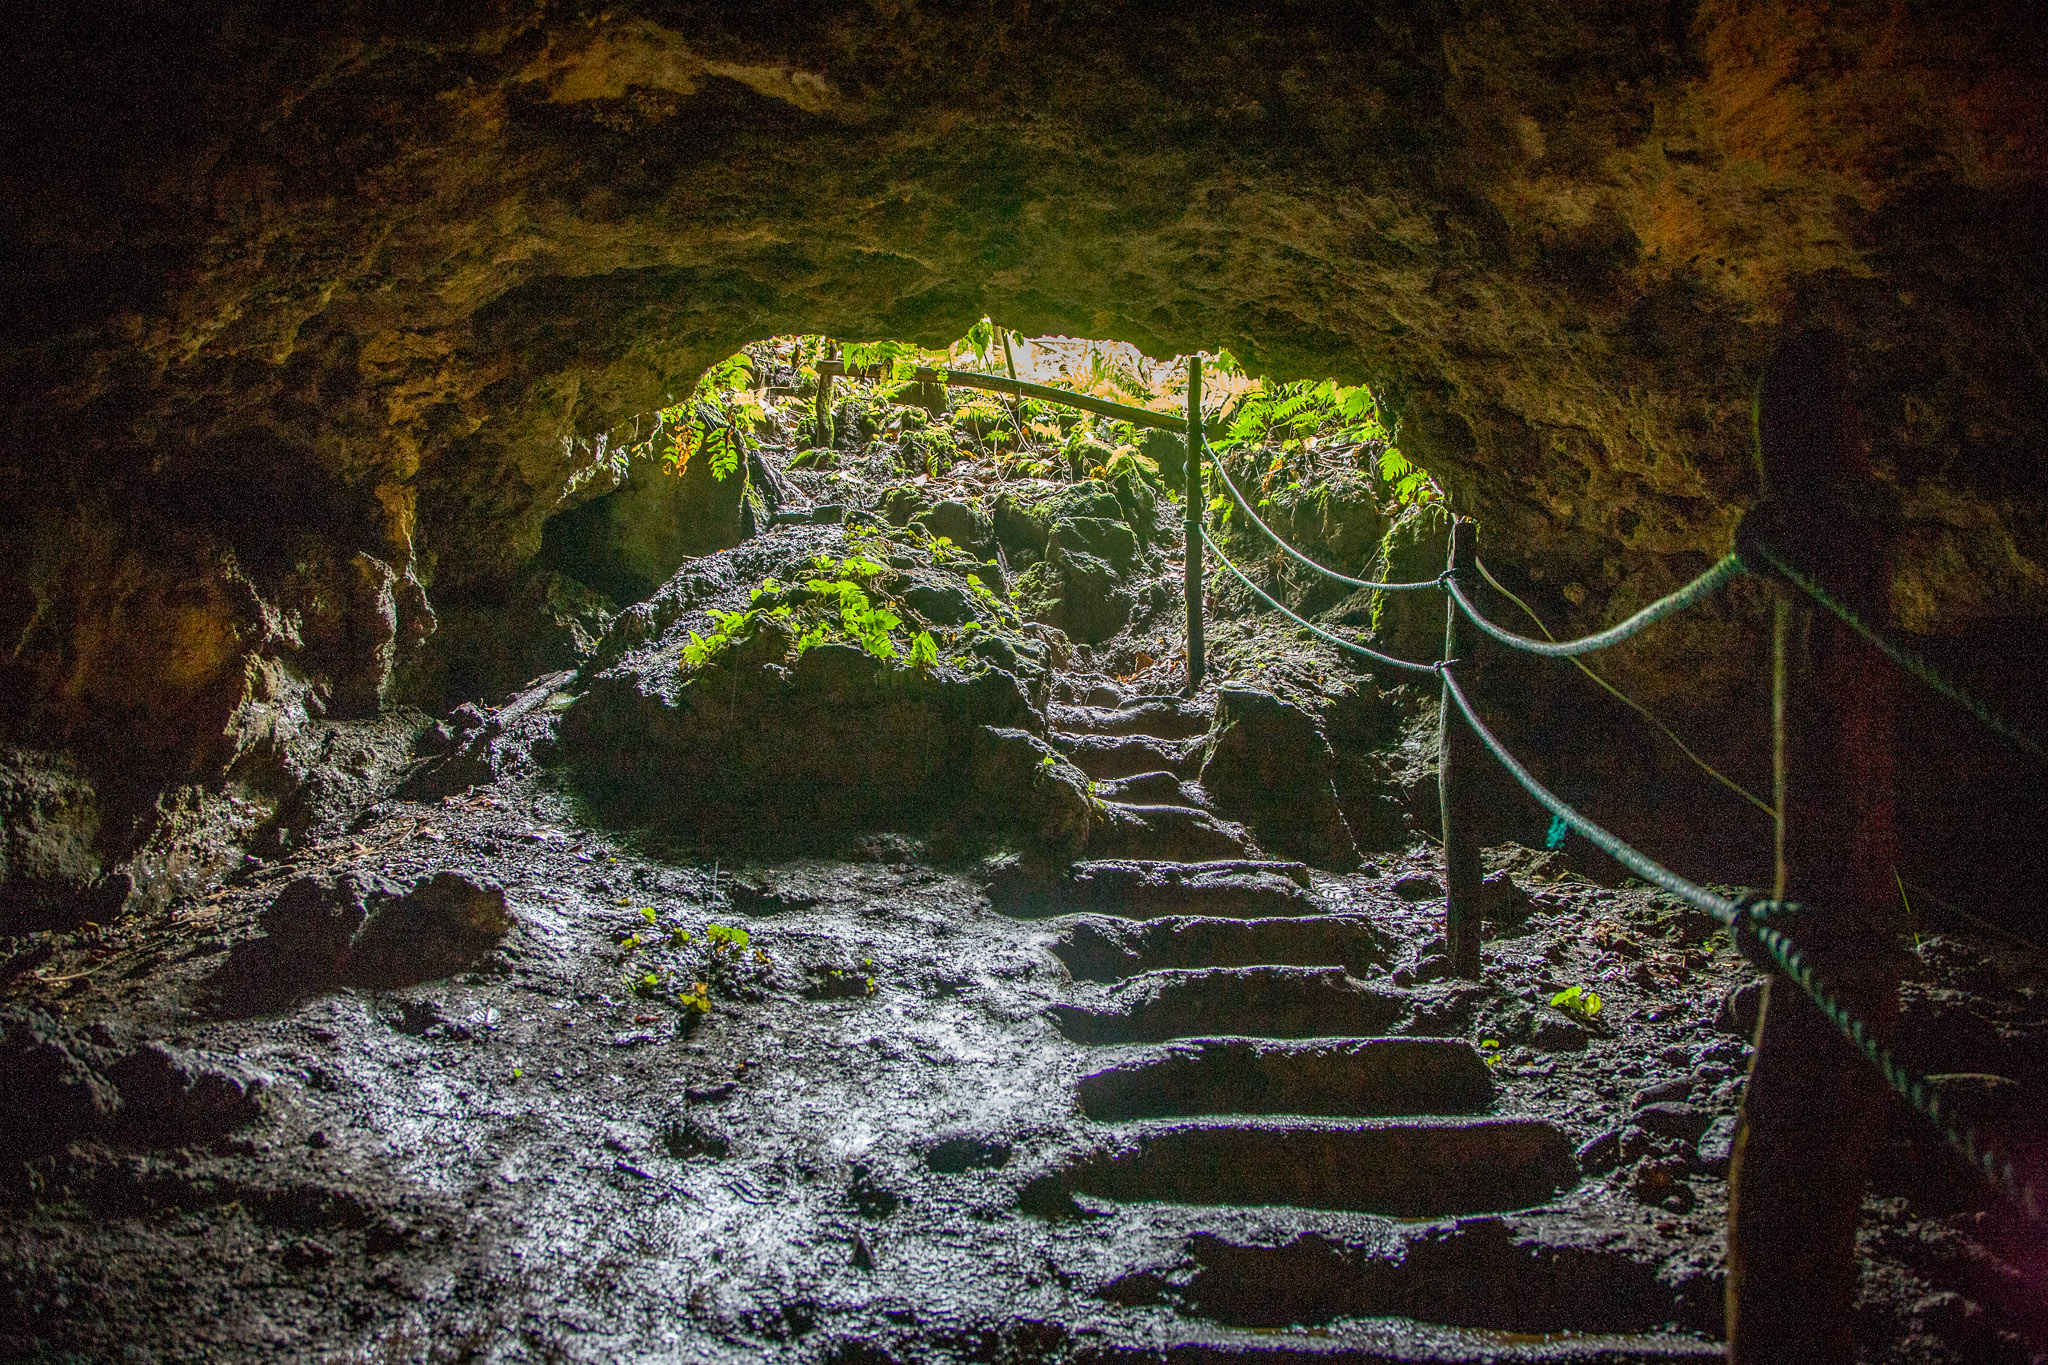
<point>1270,768</point>
<point>359,929</point>
<point>776,739</point>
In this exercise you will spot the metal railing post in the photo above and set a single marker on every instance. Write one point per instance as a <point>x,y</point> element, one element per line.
<point>1197,663</point>
<point>1458,757</point>
<point>1810,1110</point>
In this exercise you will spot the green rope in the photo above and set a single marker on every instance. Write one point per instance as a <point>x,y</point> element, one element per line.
<point>1912,662</point>
<point>1274,536</point>
<point>1705,585</point>
<point>1631,703</point>
<point>1966,1139</point>
<point>1747,918</point>
<point>1337,640</point>
<point>1720,907</point>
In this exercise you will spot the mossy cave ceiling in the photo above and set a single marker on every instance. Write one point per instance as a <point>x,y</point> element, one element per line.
<point>293,293</point>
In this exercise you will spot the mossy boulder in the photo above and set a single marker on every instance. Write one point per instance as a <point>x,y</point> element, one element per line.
<point>1408,625</point>
<point>626,542</point>
<point>1270,767</point>
<point>773,732</point>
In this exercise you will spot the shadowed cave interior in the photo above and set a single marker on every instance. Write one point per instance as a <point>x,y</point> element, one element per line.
<point>530,835</point>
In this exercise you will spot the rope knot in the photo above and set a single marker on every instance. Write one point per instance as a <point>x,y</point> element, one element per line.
<point>1445,579</point>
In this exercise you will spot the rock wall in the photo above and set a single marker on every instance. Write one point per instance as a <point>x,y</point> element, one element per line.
<point>303,306</point>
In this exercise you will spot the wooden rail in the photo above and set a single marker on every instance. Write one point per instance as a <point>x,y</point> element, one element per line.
<point>995,383</point>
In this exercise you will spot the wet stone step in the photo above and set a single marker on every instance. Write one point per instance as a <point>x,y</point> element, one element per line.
<point>1353,1077</point>
<point>1107,757</point>
<point>1101,695</point>
<point>1167,832</point>
<point>1228,888</point>
<point>1158,719</point>
<point>1271,1002</point>
<point>1401,1168</point>
<point>1155,788</point>
<point>1395,1341</point>
<point>1517,1275</point>
<point>1101,948</point>
<point>1146,888</point>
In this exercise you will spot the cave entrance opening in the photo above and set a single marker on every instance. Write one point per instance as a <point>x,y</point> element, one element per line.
<point>764,439</point>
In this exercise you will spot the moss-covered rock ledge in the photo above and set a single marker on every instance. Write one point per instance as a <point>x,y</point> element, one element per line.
<point>820,683</point>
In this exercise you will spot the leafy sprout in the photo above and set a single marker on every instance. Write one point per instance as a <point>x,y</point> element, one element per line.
<point>1577,1000</point>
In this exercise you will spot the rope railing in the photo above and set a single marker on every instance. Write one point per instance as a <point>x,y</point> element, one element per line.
<point>1746,917</point>
<point>1910,661</point>
<point>1729,567</point>
<point>1300,620</point>
<point>1768,811</point>
<point>1708,583</point>
<point>1327,572</point>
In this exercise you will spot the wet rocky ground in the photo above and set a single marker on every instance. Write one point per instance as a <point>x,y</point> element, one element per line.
<point>837,1161</point>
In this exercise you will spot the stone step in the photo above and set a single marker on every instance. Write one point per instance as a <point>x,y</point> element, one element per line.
<point>1108,757</point>
<point>1102,948</point>
<point>1272,1002</point>
<point>1159,719</point>
<point>1103,696</point>
<point>1167,832</point>
<point>1550,1272</point>
<point>1139,888</point>
<point>1401,1168</point>
<point>1352,1077</point>
<point>1153,788</point>
<point>1397,1341</point>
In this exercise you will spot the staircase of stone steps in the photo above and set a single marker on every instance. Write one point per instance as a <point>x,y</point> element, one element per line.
<point>1247,1068</point>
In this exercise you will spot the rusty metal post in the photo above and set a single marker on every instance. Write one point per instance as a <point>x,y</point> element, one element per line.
<point>1811,1107</point>
<point>1197,664</point>
<point>1458,758</point>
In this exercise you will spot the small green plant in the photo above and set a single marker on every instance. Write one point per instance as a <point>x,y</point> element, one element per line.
<point>716,421</point>
<point>1406,483</point>
<point>729,626</point>
<point>901,357</point>
<point>837,603</point>
<point>924,651</point>
<point>1577,1000</point>
<point>1288,415</point>
<point>725,938</point>
<point>1289,419</point>
<point>684,968</point>
<point>867,624</point>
